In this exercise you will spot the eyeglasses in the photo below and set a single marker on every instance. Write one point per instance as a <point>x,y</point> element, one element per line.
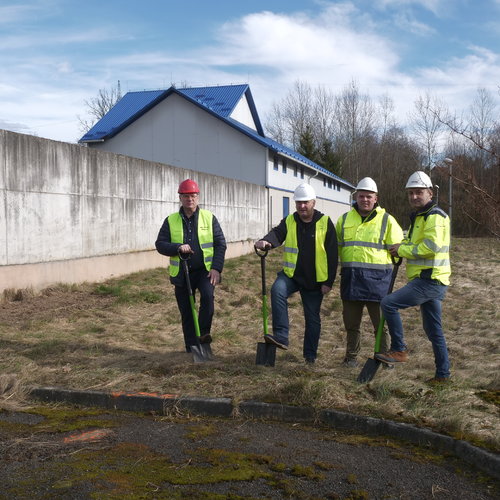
<point>189,196</point>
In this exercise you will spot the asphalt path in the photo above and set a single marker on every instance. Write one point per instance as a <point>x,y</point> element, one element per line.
<point>103,453</point>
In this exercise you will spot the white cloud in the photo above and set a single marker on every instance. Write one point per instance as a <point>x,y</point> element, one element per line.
<point>437,7</point>
<point>327,48</point>
<point>406,22</point>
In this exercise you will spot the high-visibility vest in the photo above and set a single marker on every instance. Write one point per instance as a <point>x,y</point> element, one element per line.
<point>428,246</point>
<point>365,244</point>
<point>205,238</point>
<point>291,251</point>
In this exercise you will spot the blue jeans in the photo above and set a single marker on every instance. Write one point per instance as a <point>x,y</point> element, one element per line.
<point>282,288</point>
<point>428,295</point>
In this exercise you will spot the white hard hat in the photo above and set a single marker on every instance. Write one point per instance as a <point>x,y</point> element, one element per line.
<point>367,184</point>
<point>419,179</point>
<point>304,192</point>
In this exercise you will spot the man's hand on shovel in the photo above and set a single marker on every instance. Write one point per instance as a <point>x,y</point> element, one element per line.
<point>185,249</point>
<point>262,245</point>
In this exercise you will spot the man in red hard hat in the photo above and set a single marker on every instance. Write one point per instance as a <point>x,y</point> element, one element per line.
<point>197,232</point>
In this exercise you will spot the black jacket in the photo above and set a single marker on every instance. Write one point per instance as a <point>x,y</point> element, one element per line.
<point>305,271</point>
<point>165,246</point>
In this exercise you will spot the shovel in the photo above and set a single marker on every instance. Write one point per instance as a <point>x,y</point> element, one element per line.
<point>201,352</point>
<point>266,353</point>
<point>372,365</point>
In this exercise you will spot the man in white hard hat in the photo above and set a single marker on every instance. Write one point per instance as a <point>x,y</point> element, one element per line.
<point>426,249</point>
<point>364,235</point>
<point>309,267</point>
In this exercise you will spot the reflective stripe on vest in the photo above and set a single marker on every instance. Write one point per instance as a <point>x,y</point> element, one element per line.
<point>205,238</point>
<point>291,252</point>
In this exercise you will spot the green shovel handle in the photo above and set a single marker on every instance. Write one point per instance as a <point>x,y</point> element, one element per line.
<point>380,329</point>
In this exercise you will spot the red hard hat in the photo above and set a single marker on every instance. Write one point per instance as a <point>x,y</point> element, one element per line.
<point>188,187</point>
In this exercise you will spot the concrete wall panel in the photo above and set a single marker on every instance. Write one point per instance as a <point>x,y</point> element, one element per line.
<point>63,206</point>
<point>42,227</point>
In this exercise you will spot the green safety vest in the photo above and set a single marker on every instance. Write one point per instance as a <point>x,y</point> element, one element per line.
<point>428,246</point>
<point>205,238</point>
<point>291,252</point>
<point>365,244</point>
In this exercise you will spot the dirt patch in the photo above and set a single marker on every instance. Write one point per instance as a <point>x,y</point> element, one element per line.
<point>51,303</point>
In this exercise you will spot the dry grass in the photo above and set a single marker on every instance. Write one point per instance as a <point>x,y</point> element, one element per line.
<point>125,335</point>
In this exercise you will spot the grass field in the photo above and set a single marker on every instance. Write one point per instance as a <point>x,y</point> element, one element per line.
<point>125,334</point>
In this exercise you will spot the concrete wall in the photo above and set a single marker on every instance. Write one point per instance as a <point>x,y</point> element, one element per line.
<point>70,213</point>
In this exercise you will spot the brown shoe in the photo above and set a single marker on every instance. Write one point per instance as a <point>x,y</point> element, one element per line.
<point>269,339</point>
<point>206,339</point>
<point>438,380</point>
<point>392,356</point>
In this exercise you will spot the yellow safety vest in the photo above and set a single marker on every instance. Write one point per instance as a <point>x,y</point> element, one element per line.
<point>205,238</point>
<point>428,246</point>
<point>291,252</point>
<point>365,244</point>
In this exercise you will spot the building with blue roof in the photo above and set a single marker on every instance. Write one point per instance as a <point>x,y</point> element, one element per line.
<point>215,130</point>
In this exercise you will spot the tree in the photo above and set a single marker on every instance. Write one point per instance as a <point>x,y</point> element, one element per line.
<point>427,127</point>
<point>474,174</point>
<point>307,147</point>
<point>354,120</point>
<point>98,106</point>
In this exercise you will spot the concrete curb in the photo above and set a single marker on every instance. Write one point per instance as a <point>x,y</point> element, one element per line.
<point>484,460</point>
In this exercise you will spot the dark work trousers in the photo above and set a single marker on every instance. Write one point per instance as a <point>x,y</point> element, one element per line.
<point>352,313</point>
<point>201,282</point>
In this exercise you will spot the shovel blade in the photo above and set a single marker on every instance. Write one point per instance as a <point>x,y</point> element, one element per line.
<point>266,354</point>
<point>369,370</point>
<point>207,352</point>
<point>198,354</point>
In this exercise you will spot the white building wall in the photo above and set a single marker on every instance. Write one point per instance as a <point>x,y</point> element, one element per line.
<point>242,113</point>
<point>330,200</point>
<point>179,133</point>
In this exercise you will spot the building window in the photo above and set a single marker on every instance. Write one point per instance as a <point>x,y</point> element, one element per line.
<point>301,172</point>
<point>286,206</point>
<point>295,171</point>
<point>275,165</point>
<point>284,166</point>
<point>330,183</point>
<point>338,186</point>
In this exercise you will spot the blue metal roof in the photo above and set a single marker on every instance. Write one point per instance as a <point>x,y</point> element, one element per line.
<point>123,113</point>
<point>222,100</point>
<point>219,101</point>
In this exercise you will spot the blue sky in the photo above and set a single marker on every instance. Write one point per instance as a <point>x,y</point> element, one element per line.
<point>57,53</point>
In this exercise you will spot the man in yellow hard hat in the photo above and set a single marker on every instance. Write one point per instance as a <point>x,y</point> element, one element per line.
<point>364,235</point>
<point>309,267</point>
<point>196,232</point>
<point>427,253</point>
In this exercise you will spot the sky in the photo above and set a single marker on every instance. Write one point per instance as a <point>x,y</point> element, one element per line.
<point>56,54</point>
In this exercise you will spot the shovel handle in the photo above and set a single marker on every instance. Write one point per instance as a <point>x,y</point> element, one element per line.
<point>380,329</point>
<point>191,296</point>
<point>261,253</point>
